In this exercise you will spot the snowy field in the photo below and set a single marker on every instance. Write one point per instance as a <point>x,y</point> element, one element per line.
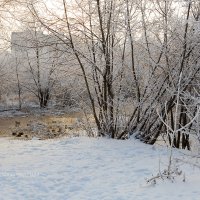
<point>90,169</point>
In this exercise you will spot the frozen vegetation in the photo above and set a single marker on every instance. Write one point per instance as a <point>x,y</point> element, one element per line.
<point>108,69</point>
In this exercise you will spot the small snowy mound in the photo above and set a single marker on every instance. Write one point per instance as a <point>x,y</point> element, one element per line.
<point>89,169</point>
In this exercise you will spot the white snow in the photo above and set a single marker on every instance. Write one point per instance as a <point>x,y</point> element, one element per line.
<point>89,169</point>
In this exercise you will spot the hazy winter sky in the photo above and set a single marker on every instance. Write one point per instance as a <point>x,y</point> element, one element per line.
<point>12,20</point>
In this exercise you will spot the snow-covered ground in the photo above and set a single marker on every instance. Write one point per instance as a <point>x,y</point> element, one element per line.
<point>89,169</point>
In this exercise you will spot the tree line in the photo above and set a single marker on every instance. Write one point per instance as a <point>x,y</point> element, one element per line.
<point>138,62</point>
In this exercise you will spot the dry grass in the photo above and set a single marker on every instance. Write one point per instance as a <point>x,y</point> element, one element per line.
<point>43,127</point>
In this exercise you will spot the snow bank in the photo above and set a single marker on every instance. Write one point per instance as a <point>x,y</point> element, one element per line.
<point>88,169</point>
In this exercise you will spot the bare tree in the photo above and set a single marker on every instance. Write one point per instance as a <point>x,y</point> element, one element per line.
<point>136,41</point>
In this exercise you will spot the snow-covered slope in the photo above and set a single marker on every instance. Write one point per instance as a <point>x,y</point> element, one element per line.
<point>88,169</point>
